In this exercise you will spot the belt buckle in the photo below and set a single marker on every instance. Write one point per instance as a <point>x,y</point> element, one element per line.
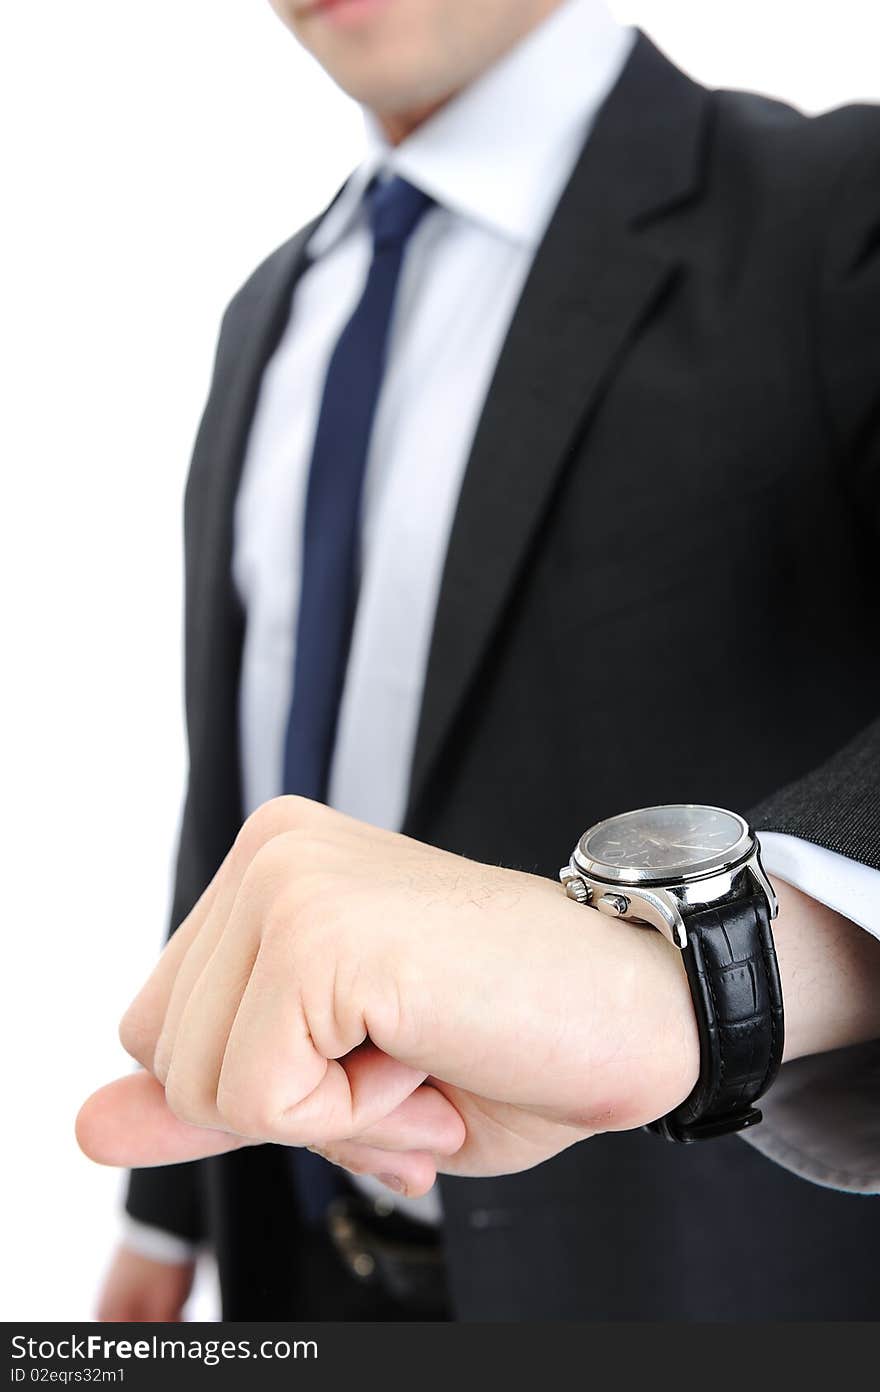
<point>411,1273</point>
<point>347,1237</point>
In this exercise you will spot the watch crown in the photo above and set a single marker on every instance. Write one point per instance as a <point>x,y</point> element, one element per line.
<point>577,890</point>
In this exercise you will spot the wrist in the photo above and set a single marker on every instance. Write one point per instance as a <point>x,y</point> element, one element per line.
<point>648,1059</point>
<point>676,1040</point>
<point>155,1243</point>
<point>830,972</point>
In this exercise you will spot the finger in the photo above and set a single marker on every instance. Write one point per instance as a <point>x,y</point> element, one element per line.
<point>141,1024</point>
<point>231,898</point>
<point>196,1052</point>
<point>143,1029</point>
<point>272,845</point>
<point>374,1083</point>
<point>177,991</point>
<point>129,1123</point>
<point>410,1173</point>
<point>149,1026</point>
<point>276,1084</point>
<point>426,1121</point>
<point>154,1015</point>
<point>244,1058</point>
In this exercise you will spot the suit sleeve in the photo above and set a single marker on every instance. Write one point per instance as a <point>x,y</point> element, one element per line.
<point>838,804</point>
<point>821,1119</point>
<point>170,1197</point>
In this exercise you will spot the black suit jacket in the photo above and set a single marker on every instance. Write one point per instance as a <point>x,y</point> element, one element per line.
<point>661,585</point>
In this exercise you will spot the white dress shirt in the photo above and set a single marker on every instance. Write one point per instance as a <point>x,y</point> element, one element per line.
<point>495,160</point>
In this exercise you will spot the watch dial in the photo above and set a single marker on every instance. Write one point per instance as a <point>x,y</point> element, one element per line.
<point>663,839</point>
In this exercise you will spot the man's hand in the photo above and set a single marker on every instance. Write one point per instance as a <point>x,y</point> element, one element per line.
<point>137,1289</point>
<point>404,1010</point>
<point>397,1007</point>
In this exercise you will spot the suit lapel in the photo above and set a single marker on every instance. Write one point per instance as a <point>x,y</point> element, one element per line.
<point>261,312</point>
<point>595,278</point>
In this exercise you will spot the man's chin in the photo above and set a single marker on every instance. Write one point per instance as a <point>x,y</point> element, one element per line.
<point>386,88</point>
<point>377,59</point>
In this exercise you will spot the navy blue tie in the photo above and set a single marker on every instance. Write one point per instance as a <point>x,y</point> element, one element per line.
<point>328,593</point>
<point>330,536</point>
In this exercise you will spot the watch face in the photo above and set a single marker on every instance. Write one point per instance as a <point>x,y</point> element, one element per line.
<point>664,843</point>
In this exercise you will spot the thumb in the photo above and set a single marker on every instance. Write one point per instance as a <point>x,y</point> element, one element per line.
<point>128,1122</point>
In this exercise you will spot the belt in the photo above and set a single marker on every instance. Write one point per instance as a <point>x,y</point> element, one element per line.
<point>379,1247</point>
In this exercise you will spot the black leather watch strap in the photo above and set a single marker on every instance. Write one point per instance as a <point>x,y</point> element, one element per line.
<point>731,965</point>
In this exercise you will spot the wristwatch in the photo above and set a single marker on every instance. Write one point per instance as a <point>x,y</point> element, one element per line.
<point>695,874</point>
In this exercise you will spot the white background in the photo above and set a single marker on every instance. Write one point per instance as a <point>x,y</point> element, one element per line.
<point>154,154</point>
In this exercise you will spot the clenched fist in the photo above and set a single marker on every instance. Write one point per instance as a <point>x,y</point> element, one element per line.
<point>396,1007</point>
<point>404,1010</point>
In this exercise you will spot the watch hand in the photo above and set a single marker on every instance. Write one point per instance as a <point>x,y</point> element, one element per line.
<point>689,846</point>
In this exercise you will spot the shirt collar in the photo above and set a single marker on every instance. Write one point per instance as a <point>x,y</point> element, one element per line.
<point>501,152</point>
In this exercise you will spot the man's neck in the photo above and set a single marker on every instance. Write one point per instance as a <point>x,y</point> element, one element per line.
<point>397,125</point>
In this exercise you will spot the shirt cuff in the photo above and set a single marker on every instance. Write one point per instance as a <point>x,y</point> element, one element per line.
<point>156,1244</point>
<point>847,886</point>
<point>821,1119</point>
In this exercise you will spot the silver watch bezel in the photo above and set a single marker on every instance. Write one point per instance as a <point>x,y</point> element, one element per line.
<point>698,870</point>
<point>662,902</point>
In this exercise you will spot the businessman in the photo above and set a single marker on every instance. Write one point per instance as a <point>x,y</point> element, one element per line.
<point>537,484</point>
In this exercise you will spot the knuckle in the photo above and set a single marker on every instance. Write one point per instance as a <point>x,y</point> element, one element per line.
<point>274,818</point>
<point>311,916</point>
<point>303,889</point>
<point>245,1111</point>
<point>291,860</point>
<point>302,933</point>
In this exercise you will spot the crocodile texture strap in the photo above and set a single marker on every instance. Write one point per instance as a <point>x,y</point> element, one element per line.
<point>731,965</point>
